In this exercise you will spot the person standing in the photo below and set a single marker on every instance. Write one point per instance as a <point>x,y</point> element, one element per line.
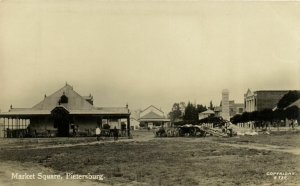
<point>116,133</point>
<point>98,132</point>
<point>292,124</point>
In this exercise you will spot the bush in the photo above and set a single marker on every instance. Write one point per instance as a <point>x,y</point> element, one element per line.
<point>106,126</point>
<point>292,112</point>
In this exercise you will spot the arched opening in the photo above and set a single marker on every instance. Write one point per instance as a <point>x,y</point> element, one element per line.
<point>61,120</point>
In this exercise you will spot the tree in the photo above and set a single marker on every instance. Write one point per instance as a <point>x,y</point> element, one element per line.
<point>201,108</point>
<point>191,113</point>
<point>279,114</point>
<point>211,106</point>
<point>288,99</point>
<point>236,119</point>
<point>245,117</point>
<point>255,116</point>
<point>292,112</point>
<point>266,115</point>
<point>175,114</point>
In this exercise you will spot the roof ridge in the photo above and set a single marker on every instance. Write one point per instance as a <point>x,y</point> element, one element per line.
<point>81,97</point>
<point>154,107</point>
<point>152,113</point>
<point>111,107</point>
<point>53,94</point>
<point>70,90</point>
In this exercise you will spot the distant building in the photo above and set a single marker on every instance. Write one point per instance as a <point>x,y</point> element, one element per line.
<point>218,111</point>
<point>262,99</point>
<point>206,114</point>
<point>61,112</point>
<point>134,124</point>
<point>234,109</point>
<point>228,108</point>
<point>152,117</point>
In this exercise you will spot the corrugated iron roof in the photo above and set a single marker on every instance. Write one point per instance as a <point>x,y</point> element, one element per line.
<point>152,107</point>
<point>208,112</point>
<point>154,119</point>
<point>152,115</point>
<point>77,104</point>
<point>18,109</point>
<point>28,112</point>
<point>103,110</point>
<point>75,101</point>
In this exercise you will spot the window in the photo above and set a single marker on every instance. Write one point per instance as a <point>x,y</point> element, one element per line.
<point>63,99</point>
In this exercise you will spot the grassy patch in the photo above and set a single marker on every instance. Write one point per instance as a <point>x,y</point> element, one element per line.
<point>163,162</point>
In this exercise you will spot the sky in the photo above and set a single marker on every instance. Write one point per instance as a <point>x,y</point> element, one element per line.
<point>146,52</point>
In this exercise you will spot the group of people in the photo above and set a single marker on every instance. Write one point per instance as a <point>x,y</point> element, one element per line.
<point>115,133</point>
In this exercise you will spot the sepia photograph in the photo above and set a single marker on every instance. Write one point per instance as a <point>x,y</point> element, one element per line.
<point>149,92</point>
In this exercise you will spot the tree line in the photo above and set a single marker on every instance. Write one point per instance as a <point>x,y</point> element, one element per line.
<point>188,114</point>
<point>182,113</point>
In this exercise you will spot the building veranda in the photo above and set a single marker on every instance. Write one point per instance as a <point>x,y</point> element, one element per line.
<point>64,113</point>
<point>152,117</point>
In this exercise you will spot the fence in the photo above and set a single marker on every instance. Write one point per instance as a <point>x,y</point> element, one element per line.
<point>249,125</point>
<point>209,125</point>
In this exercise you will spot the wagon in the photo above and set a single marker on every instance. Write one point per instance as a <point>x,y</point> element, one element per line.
<point>192,130</point>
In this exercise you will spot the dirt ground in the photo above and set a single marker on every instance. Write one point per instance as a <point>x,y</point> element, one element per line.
<point>145,160</point>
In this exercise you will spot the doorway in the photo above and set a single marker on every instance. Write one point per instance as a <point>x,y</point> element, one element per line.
<point>61,120</point>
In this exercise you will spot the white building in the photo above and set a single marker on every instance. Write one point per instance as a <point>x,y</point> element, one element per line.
<point>152,117</point>
<point>206,114</point>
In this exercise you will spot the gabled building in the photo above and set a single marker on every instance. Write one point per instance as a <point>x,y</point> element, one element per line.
<point>152,117</point>
<point>206,114</point>
<point>59,113</point>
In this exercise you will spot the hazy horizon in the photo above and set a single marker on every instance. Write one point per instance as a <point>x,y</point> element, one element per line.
<point>146,53</point>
